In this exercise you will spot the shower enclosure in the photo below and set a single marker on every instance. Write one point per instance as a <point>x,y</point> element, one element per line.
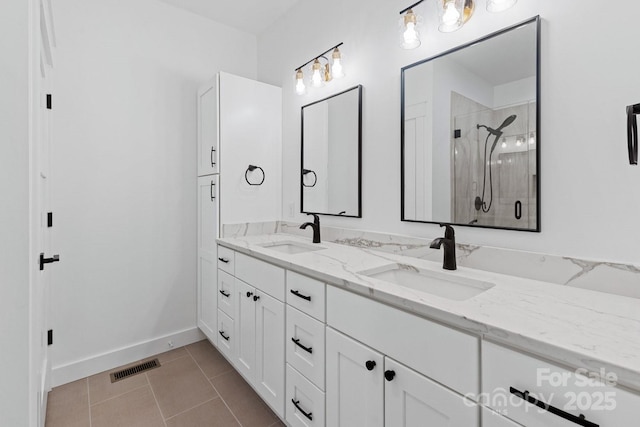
<point>493,186</point>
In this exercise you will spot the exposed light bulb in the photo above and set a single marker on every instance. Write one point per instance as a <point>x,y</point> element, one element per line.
<point>500,5</point>
<point>410,36</point>
<point>519,142</point>
<point>300,87</point>
<point>532,139</point>
<point>504,143</point>
<point>451,14</point>
<point>336,68</point>
<point>316,77</point>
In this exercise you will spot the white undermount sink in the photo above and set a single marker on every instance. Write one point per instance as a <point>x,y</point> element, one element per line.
<point>291,247</point>
<point>441,284</point>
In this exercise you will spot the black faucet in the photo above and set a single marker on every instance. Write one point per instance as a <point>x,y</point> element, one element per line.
<point>449,242</point>
<point>316,227</point>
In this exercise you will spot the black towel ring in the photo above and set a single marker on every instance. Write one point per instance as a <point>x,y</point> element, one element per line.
<point>251,168</point>
<point>315,177</point>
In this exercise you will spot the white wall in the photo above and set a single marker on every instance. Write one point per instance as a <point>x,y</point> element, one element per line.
<point>125,172</point>
<point>590,195</point>
<point>14,214</point>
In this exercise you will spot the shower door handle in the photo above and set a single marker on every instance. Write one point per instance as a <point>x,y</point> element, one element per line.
<point>518,209</point>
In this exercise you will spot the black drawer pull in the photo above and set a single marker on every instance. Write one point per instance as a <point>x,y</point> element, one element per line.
<point>256,297</point>
<point>226,261</point>
<point>370,364</point>
<point>223,335</point>
<point>307,349</point>
<point>580,420</point>
<point>309,415</point>
<point>213,162</point>
<point>212,192</point>
<point>249,294</point>
<point>225,294</point>
<point>389,375</point>
<point>299,295</point>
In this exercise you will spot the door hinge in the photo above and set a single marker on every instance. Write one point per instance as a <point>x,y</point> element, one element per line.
<point>50,337</point>
<point>49,219</point>
<point>49,101</point>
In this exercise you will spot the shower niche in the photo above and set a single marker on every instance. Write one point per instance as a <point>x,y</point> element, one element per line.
<point>470,147</point>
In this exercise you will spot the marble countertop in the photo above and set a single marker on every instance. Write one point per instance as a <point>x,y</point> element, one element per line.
<point>574,327</point>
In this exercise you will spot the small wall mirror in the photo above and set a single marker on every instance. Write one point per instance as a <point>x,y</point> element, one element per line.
<point>470,133</point>
<point>332,155</point>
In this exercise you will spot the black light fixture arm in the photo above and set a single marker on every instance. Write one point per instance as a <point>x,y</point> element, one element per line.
<point>320,56</point>
<point>410,7</point>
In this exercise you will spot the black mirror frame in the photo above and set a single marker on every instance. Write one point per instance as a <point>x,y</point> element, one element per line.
<point>302,186</point>
<point>537,229</point>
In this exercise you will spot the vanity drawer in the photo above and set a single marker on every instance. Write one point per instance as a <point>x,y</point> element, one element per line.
<point>226,294</point>
<point>226,259</point>
<point>307,355</point>
<point>261,275</point>
<point>505,371</point>
<point>306,294</point>
<point>492,419</point>
<point>444,354</point>
<point>226,341</point>
<point>308,398</point>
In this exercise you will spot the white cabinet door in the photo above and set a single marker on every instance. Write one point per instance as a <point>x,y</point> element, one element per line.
<point>354,394</point>
<point>250,134</point>
<point>245,328</point>
<point>412,400</point>
<point>269,362</point>
<point>208,129</point>
<point>207,261</point>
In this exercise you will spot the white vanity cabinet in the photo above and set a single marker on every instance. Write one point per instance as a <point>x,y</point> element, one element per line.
<point>384,367</point>
<point>508,374</point>
<point>207,254</point>
<point>208,128</point>
<point>259,327</point>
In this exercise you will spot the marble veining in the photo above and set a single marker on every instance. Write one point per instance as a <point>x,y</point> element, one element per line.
<point>571,326</point>
<point>607,277</point>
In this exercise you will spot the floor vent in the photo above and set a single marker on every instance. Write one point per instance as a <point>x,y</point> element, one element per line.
<point>134,370</point>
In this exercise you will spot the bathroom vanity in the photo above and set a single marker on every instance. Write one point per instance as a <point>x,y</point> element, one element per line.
<point>332,335</point>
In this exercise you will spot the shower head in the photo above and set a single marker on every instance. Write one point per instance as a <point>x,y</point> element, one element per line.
<point>498,132</point>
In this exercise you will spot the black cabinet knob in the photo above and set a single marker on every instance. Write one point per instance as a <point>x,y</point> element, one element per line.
<point>389,375</point>
<point>256,297</point>
<point>370,364</point>
<point>249,294</point>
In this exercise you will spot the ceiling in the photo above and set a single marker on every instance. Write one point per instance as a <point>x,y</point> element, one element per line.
<point>252,16</point>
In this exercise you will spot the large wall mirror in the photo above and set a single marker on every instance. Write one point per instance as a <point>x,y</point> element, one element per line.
<point>470,146</point>
<point>332,155</point>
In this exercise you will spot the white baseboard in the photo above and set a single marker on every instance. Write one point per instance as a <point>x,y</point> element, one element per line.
<point>102,362</point>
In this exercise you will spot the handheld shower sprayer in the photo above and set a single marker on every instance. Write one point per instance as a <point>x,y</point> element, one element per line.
<point>497,133</point>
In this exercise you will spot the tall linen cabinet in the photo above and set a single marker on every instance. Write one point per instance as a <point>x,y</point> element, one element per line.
<point>239,172</point>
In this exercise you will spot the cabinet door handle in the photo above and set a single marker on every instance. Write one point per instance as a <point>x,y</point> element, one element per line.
<point>249,294</point>
<point>307,349</point>
<point>299,295</point>
<point>226,261</point>
<point>225,294</point>
<point>226,337</point>
<point>370,364</point>
<point>212,192</point>
<point>256,297</point>
<point>389,375</point>
<point>213,162</point>
<point>580,419</point>
<point>309,415</point>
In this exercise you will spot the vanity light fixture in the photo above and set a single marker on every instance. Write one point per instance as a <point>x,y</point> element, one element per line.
<point>321,74</point>
<point>453,14</point>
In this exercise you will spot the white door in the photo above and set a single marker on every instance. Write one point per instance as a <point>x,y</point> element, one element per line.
<point>42,217</point>
<point>245,328</point>
<point>270,361</point>
<point>207,256</point>
<point>412,400</point>
<point>355,394</point>
<point>208,129</point>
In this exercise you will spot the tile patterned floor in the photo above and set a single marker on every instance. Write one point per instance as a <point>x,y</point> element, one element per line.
<point>194,387</point>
